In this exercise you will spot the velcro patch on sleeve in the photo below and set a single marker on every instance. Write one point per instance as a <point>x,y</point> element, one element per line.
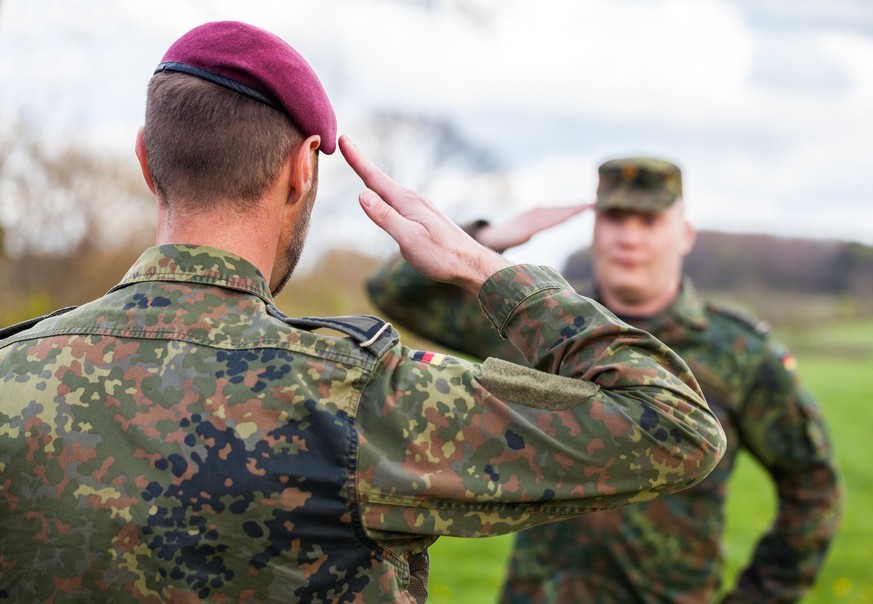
<point>533,388</point>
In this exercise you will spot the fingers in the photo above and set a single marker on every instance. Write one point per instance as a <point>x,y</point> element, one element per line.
<point>568,211</point>
<point>374,178</point>
<point>374,206</point>
<point>359,162</point>
<point>431,243</point>
<point>547,217</point>
<point>404,201</point>
<point>377,210</point>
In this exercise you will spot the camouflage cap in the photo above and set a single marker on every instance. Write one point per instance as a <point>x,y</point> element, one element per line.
<point>638,184</point>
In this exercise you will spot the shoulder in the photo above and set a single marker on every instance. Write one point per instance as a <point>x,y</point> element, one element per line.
<point>750,337</point>
<point>736,336</point>
<point>369,333</point>
<point>17,328</point>
<point>725,316</point>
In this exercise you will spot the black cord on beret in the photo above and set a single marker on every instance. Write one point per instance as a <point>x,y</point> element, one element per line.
<point>221,81</point>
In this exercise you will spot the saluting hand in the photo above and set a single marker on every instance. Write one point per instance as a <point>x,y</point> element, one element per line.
<point>523,226</point>
<point>429,241</point>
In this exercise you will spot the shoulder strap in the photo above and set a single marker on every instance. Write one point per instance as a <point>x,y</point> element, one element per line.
<point>371,333</point>
<point>10,331</point>
<point>747,319</point>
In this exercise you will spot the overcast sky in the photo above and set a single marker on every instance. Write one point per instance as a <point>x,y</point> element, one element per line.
<point>766,105</point>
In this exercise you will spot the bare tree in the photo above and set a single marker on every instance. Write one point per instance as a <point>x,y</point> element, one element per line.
<point>428,154</point>
<point>420,150</point>
<point>69,221</point>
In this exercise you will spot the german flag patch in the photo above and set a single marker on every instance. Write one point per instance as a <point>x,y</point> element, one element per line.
<point>432,358</point>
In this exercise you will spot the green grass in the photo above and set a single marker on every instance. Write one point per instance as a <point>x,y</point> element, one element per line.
<point>836,365</point>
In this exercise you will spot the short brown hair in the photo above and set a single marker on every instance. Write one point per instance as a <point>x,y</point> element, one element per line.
<point>205,141</point>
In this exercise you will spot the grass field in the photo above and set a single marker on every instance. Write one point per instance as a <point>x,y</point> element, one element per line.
<point>836,365</point>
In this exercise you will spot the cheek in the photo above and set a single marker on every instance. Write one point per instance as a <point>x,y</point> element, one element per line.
<point>668,258</point>
<point>602,239</point>
<point>600,250</point>
<point>596,244</point>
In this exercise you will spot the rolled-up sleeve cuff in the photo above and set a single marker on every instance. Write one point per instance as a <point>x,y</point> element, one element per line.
<point>508,288</point>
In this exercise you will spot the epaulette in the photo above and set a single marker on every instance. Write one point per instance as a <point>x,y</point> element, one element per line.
<point>747,319</point>
<point>7,332</point>
<point>371,333</point>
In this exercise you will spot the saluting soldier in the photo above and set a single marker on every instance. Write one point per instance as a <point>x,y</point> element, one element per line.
<point>669,550</point>
<point>180,439</point>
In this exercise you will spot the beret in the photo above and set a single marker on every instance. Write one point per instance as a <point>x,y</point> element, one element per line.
<point>638,184</point>
<point>261,65</point>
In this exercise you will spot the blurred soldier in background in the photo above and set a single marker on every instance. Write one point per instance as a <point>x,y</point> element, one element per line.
<point>180,439</point>
<point>668,550</point>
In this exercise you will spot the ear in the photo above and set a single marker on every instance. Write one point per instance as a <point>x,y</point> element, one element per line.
<point>304,165</point>
<point>689,236</point>
<point>144,160</point>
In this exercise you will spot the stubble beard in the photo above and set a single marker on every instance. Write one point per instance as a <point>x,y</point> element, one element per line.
<point>295,245</point>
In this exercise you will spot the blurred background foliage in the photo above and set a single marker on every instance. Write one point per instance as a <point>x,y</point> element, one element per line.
<point>72,220</point>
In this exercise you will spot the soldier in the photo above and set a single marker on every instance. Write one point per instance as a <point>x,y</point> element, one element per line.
<point>181,439</point>
<point>667,550</point>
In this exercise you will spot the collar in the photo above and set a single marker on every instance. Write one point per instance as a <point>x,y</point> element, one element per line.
<point>688,307</point>
<point>197,264</point>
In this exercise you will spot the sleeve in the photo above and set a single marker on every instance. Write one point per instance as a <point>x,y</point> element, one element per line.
<point>442,313</point>
<point>605,415</point>
<point>782,427</point>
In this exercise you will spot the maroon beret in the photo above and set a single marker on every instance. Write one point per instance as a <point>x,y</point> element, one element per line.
<point>261,65</point>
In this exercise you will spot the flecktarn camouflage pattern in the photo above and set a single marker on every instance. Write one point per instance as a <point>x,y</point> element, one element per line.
<point>182,440</point>
<point>638,184</point>
<point>669,550</point>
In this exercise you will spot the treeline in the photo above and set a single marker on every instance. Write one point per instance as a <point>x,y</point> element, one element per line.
<point>751,262</point>
<point>786,282</point>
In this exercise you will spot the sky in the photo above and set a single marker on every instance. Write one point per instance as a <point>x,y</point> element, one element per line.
<point>767,106</point>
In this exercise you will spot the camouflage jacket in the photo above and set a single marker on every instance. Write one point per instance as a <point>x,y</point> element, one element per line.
<point>180,439</point>
<point>669,550</point>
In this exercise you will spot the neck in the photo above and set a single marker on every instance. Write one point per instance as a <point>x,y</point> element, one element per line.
<point>246,236</point>
<point>651,306</point>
